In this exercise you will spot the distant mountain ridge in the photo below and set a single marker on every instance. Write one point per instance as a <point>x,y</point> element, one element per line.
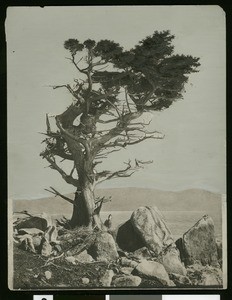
<point>128,199</point>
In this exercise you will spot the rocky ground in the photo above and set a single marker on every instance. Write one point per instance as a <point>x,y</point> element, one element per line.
<point>139,253</point>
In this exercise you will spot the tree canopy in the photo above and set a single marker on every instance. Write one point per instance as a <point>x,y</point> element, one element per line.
<point>113,88</point>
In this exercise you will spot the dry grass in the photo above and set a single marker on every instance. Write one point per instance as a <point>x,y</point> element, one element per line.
<point>29,272</point>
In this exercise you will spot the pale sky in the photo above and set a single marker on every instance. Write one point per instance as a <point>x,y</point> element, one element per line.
<point>192,154</point>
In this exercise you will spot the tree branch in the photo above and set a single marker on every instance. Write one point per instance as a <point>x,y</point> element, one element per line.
<point>120,127</point>
<point>53,165</point>
<point>127,102</point>
<point>108,121</point>
<point>56,193</point>
<point>126,172</point>
<point>80,140</point>
<point>69,115</point>
<point>74,93</point>
<point>124,143</point>
<point>76,64</point>
<point>55,144</point>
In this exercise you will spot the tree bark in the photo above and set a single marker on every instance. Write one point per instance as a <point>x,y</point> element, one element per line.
<point>84,208</point>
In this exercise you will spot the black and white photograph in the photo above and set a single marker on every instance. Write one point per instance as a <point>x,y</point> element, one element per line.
<point>116,147</point>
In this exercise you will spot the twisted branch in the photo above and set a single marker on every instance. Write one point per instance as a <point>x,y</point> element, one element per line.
<point>56,193</point>
<point>126,172</point>
<point>53,165</point>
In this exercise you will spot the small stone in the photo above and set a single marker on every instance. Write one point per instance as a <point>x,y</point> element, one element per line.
<point>84,257</point>
<point>48,275</point>
<point>128,262</point>
<point>152,270</point>
<point>85,280</point>
<point>51,234</point>
<point>205,275</point>
<point>71,259</point>
<point>37,241</point>
<point>180,280</point>
<point>171,283</point>
<point>106,279</point>
<point>58,248</point>
<point>211,277</point>
<point>46,248</point>
<point>127,281</point>
<point>126,270</point>
<point>27,243</point>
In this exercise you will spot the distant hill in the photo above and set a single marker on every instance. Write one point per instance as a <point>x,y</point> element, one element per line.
<point>127,199</point>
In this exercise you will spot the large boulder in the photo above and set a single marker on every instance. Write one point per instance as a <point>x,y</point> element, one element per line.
<point>40,221</point>
<point>146,228</point>
<point>127,238</point>
<point>219,249</point>
<point>170,259</point>
<point>104,248</point>
<point>152,270</point>
<point>31,231</point>
<point>199,244</point>
<point>150,225</point>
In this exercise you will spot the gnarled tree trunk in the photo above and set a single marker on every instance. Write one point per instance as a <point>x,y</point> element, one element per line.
<point>85,212</point>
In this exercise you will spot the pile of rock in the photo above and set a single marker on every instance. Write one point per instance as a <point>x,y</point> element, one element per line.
<point>139,251</point>
<point>37,234</point>
<point>194,259</point>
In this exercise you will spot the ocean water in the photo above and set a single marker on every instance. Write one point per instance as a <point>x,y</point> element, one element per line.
<point>177,221</point>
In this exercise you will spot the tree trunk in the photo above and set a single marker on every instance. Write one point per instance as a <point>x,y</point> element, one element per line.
<point>84,208</point>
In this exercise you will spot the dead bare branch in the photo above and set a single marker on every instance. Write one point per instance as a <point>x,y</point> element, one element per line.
<point>48,125</point>
<point>126,172</point>
<point>108,121</point>
<point>56,193</point>
<point>123,143</point>
<point>127,102</point>
<point>53,165</point>
<point>80,140</point>
<point>119,128</point>
<point>73,169</point>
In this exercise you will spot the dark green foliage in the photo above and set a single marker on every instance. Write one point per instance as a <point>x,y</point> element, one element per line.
<point>89,44</point>
<point>73,46</point>
<point>107,49</point>
<point>153,76</point>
